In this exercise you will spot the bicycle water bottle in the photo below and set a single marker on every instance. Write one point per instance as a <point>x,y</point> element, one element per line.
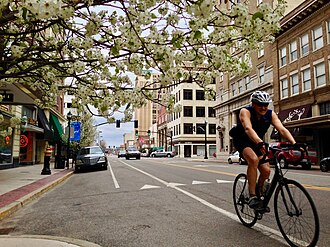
<point>266,186</point>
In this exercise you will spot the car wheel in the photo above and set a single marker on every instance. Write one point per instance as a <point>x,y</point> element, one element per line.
<point>324,167</point>
<point>138,157</point>
<point>230,161</point>
<point>153,156</point>
<point>307,166</point>
<point>127,158</point>
<point>283,163</point>
<point>241,161</point>
<point>168,156</point>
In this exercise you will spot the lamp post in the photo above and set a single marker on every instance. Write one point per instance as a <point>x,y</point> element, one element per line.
<point>205,157</point>
<point>69,117</point>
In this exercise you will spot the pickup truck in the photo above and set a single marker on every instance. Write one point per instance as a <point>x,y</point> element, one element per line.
<point>162,153</point>
<point>292,156</point>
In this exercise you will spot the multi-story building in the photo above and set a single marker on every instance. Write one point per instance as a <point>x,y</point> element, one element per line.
<point>302,74</point>
<point>147,115</point>
<point>233,92</point>
<point>193,130</point>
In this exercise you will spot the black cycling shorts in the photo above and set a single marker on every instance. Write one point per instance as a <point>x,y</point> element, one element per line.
<point>241,143</point>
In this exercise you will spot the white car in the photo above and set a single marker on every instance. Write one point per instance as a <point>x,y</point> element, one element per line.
<point>234,158</point>
<point>162,153</point>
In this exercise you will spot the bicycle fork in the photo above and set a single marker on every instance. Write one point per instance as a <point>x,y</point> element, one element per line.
<point>296,211</point>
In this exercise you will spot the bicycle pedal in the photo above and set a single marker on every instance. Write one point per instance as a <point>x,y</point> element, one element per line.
<point>259,216</point>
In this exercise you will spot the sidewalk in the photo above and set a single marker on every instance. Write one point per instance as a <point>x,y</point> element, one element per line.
<point>21,185</point>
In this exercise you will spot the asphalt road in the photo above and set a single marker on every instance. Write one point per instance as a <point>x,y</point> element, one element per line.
<point>159,202</point>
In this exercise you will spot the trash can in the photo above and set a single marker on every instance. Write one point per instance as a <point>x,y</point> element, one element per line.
<point>60,162</point>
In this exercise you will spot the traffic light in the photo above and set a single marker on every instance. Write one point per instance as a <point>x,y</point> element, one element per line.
<point>117,123</point>
<point>136,133</point>
<point>136,124</point>
<point>149,132</point>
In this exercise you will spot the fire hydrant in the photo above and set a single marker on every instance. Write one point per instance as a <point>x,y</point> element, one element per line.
<point>46,170</point>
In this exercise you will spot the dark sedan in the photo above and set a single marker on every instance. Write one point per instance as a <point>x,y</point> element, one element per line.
<point>132,152</point>
<point>325,164</point>
<point>91,157</point>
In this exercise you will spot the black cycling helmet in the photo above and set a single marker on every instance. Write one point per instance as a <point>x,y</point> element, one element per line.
<point>261,97</point>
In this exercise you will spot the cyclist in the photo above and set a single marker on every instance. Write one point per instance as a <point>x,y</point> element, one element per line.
<point>248,136</point>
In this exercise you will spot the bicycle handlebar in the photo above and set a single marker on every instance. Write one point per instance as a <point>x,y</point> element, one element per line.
<point>302,147</point>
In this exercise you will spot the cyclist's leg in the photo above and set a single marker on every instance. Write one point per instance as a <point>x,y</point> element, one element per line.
<point>252,169</point>
<point>264,170</point>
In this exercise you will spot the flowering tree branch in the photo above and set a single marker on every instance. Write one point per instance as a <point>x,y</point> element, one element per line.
<point>92,45</point>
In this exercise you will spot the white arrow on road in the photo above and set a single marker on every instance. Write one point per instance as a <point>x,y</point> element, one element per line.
<point>219,181</point>
<point>147,186</point>
<point>200,182</point>
<point>174,184</point>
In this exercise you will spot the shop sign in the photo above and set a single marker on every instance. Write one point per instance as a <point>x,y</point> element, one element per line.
<point>24,141</point>
<point>76,126</point>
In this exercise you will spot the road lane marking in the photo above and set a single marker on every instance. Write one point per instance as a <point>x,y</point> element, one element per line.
<point>113,176</point>
<point>219,181</point>
<point>269,232</point>
<point>147,186</point>
<point>171,184</point>
<point>199,182</point>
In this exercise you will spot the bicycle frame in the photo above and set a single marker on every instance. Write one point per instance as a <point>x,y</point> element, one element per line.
<point>278,178</point>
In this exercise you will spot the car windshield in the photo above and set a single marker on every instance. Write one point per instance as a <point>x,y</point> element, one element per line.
<point>91,150</point>
<point>132,149</point>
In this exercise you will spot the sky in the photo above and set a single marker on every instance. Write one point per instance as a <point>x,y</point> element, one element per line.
<point>110,134</point>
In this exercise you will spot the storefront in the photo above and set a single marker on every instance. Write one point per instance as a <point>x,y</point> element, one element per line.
<point>6,140</point>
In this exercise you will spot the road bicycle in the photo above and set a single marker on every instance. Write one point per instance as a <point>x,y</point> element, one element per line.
<point>295,211</point>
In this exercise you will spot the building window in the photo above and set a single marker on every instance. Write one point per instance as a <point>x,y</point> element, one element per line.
<point>325,108</point>
<point>319,71</point>
<point>69,105</point>
<point>284,88</point>
<point>200,95</point>
<point>247,82</point>
<point>293,51</point>
<point>261,51</point>
<point>187,111</point>
<point>200,128</point>
<point>188,128</point>
<point>259,2</point>
<point>211,112</point>
<point>328,31</point>
<point>294,84</point>
<point>200,111</point>
<point>240,86</point>
<point>317,38</point>
<point>187,94</point>
<point>261,74</point>
<point>282,54</point>
<point>306,79</point>
<point>233,89</point>
<point>212,129</point>
<point>304,45</point>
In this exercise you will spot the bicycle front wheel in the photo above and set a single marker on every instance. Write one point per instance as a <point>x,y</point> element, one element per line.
<point>241,198</point>
<point>296,214</point>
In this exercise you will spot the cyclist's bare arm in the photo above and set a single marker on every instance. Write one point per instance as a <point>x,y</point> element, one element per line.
<point>284,132</point>
<point>245,116</point>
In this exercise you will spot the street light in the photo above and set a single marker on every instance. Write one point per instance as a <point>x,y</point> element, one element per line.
<point>205,157</point>
<point>69,117</point>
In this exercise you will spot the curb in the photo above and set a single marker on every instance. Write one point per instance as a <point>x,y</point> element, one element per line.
<point>14,206</point>
<point>43,239</point>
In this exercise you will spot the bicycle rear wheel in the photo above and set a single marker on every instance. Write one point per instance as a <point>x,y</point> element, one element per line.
<point>241,198</point>
<point>296,214</point>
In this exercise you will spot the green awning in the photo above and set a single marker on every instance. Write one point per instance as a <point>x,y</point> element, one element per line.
<point>56,127</point>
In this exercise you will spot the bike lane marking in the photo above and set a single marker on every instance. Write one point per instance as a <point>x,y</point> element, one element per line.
<point>267,231</point>
<point>113,176</point>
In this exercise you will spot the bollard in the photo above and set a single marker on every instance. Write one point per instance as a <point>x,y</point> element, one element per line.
<point>46,169</point>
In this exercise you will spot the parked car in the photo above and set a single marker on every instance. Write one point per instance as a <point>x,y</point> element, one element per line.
<point>132,152</point>
<point>234,158</point>
<point>162,153</point>
<point>121,153</point>
<point>91,157</point>
<point>291,157</point>
<point>325,164</point>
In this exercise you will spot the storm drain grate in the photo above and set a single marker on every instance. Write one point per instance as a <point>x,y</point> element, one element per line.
<point>5,231</point>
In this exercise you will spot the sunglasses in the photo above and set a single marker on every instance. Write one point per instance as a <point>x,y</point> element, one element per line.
<point>262,104</point>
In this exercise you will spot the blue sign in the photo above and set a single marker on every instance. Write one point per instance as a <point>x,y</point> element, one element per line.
<point>76,131</point>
